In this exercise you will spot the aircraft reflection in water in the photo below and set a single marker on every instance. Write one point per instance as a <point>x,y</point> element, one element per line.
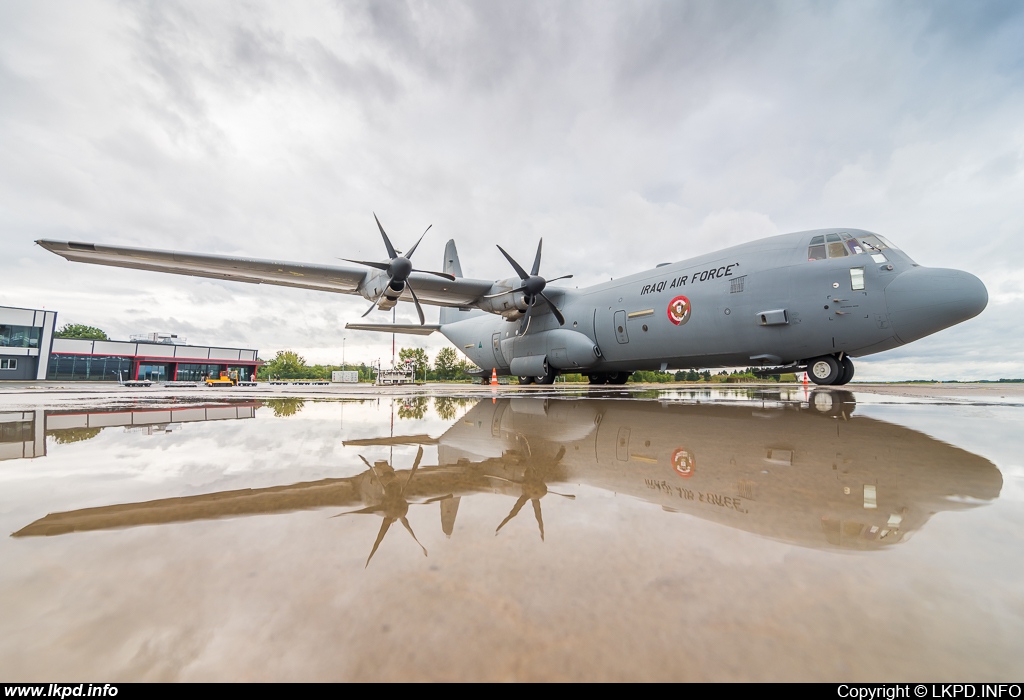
<point>811,475</point>
<point>23,433</point>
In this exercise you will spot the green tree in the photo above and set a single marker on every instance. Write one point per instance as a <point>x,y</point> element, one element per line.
<point>287,365</point>
<point>284,407</point>
<point>66,436</point>
<point>447,363</point>
<point>77,330</point>
<point>413,407</point>
<point>444,407</point>
<point>418,356</point>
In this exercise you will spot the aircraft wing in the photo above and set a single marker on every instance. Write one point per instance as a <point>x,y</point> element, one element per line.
<point>326,278</point>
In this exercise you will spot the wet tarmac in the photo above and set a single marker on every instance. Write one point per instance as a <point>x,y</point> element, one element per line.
<point>453,533</point>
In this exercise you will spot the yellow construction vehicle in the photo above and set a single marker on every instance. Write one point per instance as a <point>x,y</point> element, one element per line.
<point>226,378</point>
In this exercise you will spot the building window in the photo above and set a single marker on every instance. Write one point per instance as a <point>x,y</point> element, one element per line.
<point>19,336</point>
<point>8,363</point>
<point>98,368</point>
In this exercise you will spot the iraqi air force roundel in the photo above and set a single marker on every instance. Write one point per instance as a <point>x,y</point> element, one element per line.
<point>683,463</point>
<point>679,310</point>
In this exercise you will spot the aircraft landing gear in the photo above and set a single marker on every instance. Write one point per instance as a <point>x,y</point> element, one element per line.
<point>526,380</point>
<point>617,378</point>
<point>827,370</point>
<point>847,366</point>
<point>548,378</point>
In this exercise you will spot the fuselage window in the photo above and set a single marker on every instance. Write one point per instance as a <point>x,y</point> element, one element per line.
<point>856,278</point>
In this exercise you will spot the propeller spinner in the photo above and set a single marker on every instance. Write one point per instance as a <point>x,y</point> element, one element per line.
<point>398,267</point>
<point>533,287</point>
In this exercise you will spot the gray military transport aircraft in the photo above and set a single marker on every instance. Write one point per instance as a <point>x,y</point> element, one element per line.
<point>807,301</point>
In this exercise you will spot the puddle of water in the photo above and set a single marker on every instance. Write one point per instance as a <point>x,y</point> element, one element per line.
<point>546,536</point>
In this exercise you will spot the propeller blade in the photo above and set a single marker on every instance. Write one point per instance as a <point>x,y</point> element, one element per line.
<point>374,305</point>
<point>561,453</point>
<point>554,309</point>
<point>507,291</point>
<point>361,511</point>
<point>515,511</point>
<point>439,274</point>
<point>435,499</point>
<point>373,471</point>
<point>413,249</point>
<point>378,265</point>
<point>525,325</point>
<point>515,266</point>
<point>415,466</point>
<point>380,537</point>
<point>536,260</point>
<point>387,241</point>
<point>540,518</point>
<point>415,299</point>
<point>563,277</point>
<point>406,523</point>
<point>570,496</point>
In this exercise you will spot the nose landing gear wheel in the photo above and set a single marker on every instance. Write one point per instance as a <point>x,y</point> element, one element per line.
<point>824,370</point>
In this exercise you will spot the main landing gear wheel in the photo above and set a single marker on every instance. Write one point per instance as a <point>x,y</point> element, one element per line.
<point>618,378</point>
<point>548,378</point>
<point>824,370</point>
<point>598,378</point>
<point>833,403</point>
<point>525,380</point>
<point>846,365</point>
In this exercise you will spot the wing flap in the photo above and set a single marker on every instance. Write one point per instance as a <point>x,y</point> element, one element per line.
<point>407,328</point>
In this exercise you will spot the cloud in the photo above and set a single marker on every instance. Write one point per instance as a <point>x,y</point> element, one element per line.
<point>623,134</point>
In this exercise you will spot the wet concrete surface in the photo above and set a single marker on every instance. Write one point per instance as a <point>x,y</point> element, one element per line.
<point>465,533</point>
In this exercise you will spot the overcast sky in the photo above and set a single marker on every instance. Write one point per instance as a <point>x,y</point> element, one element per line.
<point>624,133</point>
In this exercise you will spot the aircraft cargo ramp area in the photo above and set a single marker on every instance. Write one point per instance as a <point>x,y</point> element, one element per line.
<point>501,533</point>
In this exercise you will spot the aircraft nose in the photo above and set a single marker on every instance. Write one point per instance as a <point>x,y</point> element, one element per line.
<point>923,300</point>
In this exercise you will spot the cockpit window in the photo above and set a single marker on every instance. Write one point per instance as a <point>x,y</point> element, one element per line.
<point>829,245</point>
<point>835,246</point>
<point>874,243</point>
<point>816,250</point>
<point>841,245</point>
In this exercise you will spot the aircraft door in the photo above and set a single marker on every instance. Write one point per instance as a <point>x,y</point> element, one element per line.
<point>620,327</point>
<point>499,361</point>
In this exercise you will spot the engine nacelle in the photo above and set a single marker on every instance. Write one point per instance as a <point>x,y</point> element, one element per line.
<point>511,305</point>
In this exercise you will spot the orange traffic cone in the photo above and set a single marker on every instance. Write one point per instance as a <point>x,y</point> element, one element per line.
<point>494,376</point>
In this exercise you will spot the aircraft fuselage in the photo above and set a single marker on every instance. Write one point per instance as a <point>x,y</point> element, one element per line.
<point>761,303</point>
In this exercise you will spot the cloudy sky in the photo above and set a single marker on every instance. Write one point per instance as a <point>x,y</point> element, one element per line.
<point>624,133</point>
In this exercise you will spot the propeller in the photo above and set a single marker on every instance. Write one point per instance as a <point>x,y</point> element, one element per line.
<point>533,487</point>
<point>533,287</point>
<point>398,267</point>
<point>393,504</point>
